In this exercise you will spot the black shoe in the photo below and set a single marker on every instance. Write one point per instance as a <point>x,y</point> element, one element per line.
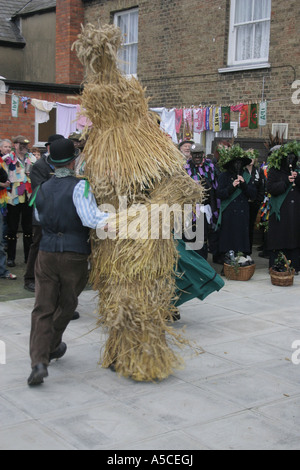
<point>75,316</point>
<point>10,263</point>
<point>30,286</point>
<point>39,372</point>
<point>112,367</point>
<point>59,352</point>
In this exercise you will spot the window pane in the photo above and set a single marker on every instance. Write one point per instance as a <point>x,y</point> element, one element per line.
<point>261,42</point>
<point>133,58</point>
<point>244,41</point>
<point>123,25</point>
<point>133,30</point>
<point>262,9</point>
<point>243,11</point>
<point>124,59</point>
<point>128,23</point>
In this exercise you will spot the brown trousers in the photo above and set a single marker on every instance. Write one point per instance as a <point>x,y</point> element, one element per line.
<point>60,278</point>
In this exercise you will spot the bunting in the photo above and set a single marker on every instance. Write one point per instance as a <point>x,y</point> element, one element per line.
<point>15,106</point>
<point>225,118</point>
<point>263,114</point>
<point>253,118</point>
<point>244,116</point>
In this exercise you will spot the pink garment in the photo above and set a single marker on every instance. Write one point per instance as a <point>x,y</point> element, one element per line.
<point>82,121</point>
<point>178,119</point>
<point>188,118</point>
<point>198,120</point>
<point>238,108</point>
<point>66,118</point>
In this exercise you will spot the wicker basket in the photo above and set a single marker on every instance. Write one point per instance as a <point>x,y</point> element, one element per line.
<point>282,278</point>
<point>243,273</point>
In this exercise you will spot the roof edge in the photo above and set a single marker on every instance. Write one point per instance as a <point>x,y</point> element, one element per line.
<point>35,12</point>
<point>47,87</point>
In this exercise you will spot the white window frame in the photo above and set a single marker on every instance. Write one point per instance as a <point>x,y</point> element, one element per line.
<point>255,63</point>
<point>123,13</point>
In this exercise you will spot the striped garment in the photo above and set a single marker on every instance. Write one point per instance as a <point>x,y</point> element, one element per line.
<point>87,209</point>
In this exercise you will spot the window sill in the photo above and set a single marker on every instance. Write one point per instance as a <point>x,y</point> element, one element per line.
<point>241,68</point>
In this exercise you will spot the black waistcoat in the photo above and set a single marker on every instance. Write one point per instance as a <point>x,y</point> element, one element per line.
<point>62,227</point>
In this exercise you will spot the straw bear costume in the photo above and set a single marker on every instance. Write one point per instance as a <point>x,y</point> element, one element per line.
<point>127,156</point>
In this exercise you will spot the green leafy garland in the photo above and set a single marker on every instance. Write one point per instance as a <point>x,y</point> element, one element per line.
<point>275,159</point>
<point>227,154</point>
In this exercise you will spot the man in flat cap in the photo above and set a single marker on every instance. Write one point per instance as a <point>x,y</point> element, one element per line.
<point>18,164</point>
<point>185,148</point>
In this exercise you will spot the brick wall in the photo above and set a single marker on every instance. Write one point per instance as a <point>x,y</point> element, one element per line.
<point>183,43</point>
<point>69,16</point>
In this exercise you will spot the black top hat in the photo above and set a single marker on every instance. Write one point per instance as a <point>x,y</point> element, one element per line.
<point>62,152</point>
<point>53,137</point>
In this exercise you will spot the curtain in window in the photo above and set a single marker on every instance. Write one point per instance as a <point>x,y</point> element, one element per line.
<point>128,23</point>
<point>252,34</point>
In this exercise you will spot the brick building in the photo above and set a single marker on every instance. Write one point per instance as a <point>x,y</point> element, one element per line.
<point>186,52</point>
<point>216,52</point>
<point>37,63</point>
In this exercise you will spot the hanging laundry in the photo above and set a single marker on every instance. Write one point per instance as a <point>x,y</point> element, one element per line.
<point>198,120</point>
<point>66,119</point>
<point>217,119</point>
<point>158,111</point>
<point>225,118</point>
<point>15,105</point>
<point>207,115</point>
<point>253,118</point>
<point>178,119</point>
<point>168,124</point>
<point>25,101</point>
<point>237,108</point>
<point>263,114</point>
<point>2,92</point>
<point>204,118</point>
<point>188,118</point>
<point>187,124</point>
<point>244,116</point>
<point>42,110</point>
<point>211,119</point>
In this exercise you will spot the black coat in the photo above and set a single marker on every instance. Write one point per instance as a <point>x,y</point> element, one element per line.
<point>40,172</point>
<point>234,230</point>
<point>284,234</point>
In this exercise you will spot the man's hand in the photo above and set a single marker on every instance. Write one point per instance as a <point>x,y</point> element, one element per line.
<point>293,176</point>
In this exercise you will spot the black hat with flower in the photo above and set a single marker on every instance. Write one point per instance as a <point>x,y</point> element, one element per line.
<point>228,155</point>
<point>280,154</point>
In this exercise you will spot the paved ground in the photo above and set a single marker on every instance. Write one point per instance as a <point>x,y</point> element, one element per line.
<point>242,392</point>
